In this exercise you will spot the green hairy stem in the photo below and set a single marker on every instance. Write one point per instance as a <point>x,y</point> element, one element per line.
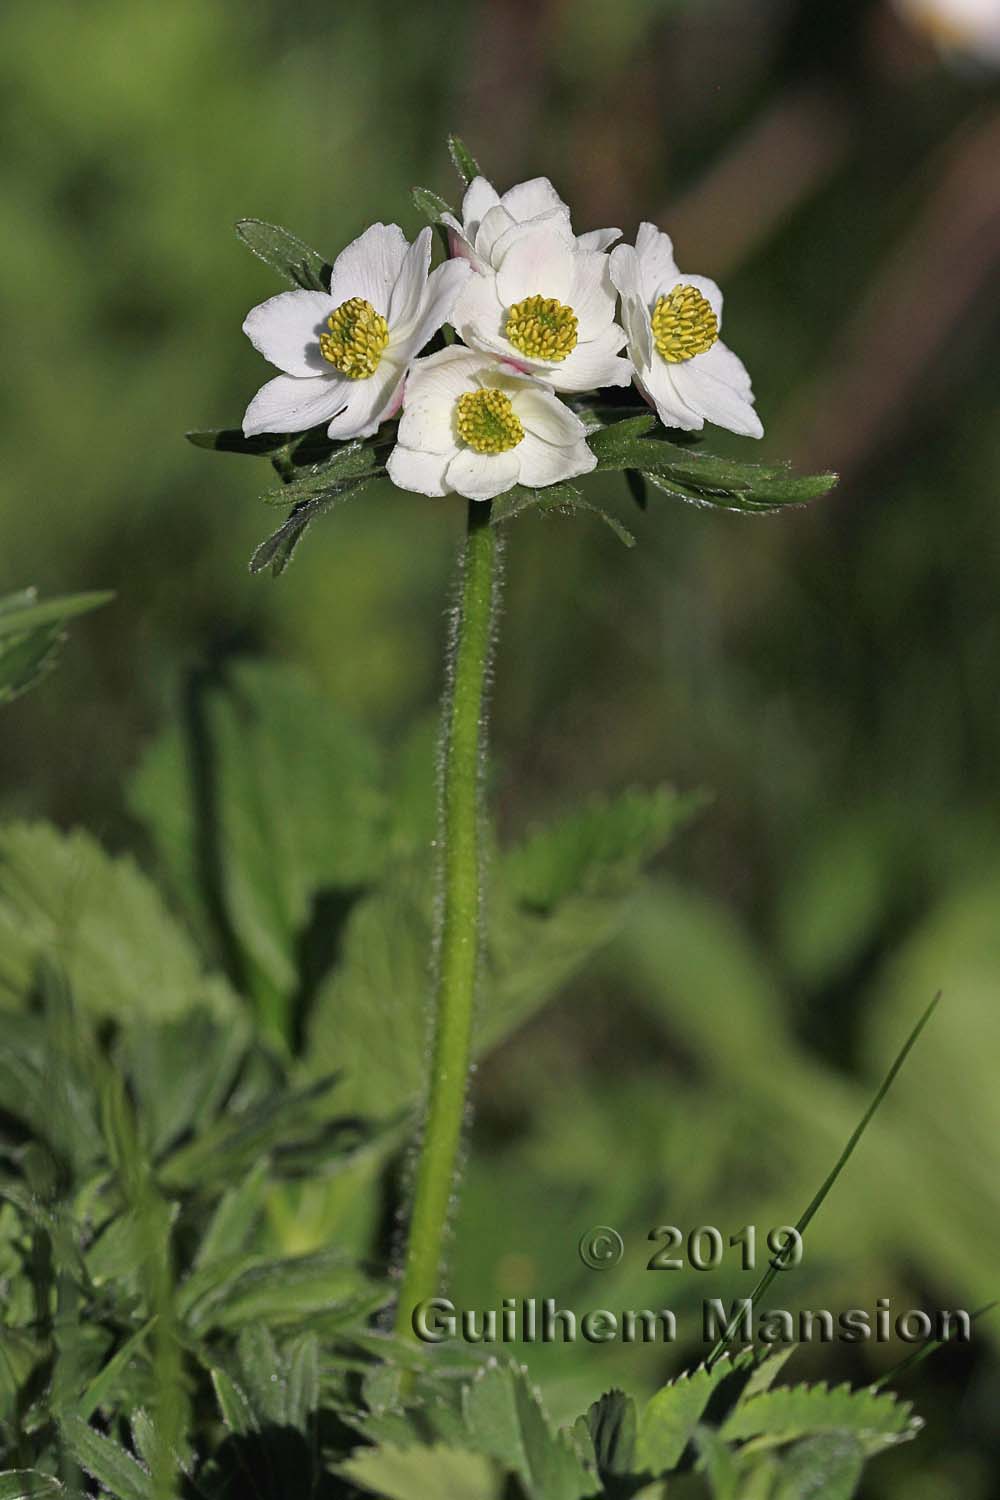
<point>458,921</point>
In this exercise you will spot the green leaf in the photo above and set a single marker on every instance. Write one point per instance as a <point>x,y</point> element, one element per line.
<point>613,1426</point>
<point>107,1462</point>
<point>285,1291</point>
<point>277,550</point>
<point>464,162</point>
<point>29,1484</point>
<point>505,1420</point>
<point>123,953</point>
<point>303,1393</point>
<point>234,1217</point>
<point>326,478</point>
<point>876,1419</point>
<point>263,1374</point>
<point>231,801</point>
<point>718,1463</point>
<point>827,1467</point>
<point>31,634</point>
<point>294,260</point>
<point>702,478</point>
<point>668,1420</point>
<point>234,1407</point>
<point>420,1473</point>
<point>430,204</point>
<point>107,1385</point>
<point>233,440</point>
<point>597,850</point>
<point>555,499</point>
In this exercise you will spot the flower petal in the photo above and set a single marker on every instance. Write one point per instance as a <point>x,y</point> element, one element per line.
<point>437,304</point>
<point>544,463</point>
<point>657,267</point>
<point>699,385</point>
<point>546,417</point>
<point>289,403</point>
<point>526,200</point>
<point>657,385</point>
<point>369,402</point>
<point>369,266</point>
<point>721,362</point>
<point>478,313</point>
<point>593,364</point>
<point>286,330</point>
<point>480,197</point>
<point>424,473</point>
<point>538,262</point>
<point>598,239</point>
<point>432,389</point>
<point>593,295</point>
<point>404,300</point>
<point>494,224</point>
<point>480,476</point>
<point>638,330</point>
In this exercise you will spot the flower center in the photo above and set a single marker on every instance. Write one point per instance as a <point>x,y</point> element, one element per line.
<point>487,421</point>
<point>357,339</point>
<point>542,328</point>
<point>684,325</point>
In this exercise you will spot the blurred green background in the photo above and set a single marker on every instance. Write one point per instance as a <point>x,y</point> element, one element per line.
<point>829,675</point>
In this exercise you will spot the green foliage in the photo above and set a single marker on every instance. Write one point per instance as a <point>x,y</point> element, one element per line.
<point>700,478</point>
<point>31,634</point>
<point>464,162</point>
<point>296,262</point>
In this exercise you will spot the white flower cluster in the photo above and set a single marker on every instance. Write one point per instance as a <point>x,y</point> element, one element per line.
<point>536,306</point>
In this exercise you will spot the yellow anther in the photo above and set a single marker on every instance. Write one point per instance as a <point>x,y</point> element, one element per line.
<point>487,421</point>
<point>357,339</point>
<point>684,324</point>
<point>542,328</point>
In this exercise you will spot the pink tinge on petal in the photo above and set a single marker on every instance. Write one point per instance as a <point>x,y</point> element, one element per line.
<point>458,246</point>
<point>514,364</point>
<point>397,403</point>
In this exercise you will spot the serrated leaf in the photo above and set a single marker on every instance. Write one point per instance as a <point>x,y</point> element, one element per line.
<point>419,1473</point>
<point>464,162</point>
<point>876,1419</point>
<point>262,1373</point>
<point>504,1417</point>
<point>668,1420</point>
<point>555,499</point>
<point>107,1462</point>
<point>291,257</point>
<point>123,953</point>
<point>613,1426</point>
<point>284,1291</point>
<point>596,850</point>
<point>827,1467</point>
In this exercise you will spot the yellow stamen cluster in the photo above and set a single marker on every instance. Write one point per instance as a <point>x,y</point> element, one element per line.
<point>684,325</point>
<point>542,328</point>
<point>357,339</point>
<point>487,421</point>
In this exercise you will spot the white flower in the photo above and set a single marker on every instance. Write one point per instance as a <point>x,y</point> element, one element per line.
<point>682,367</point>
<point>542,303</point>
<point>524,203</point>
<point>969,26</point>
<point>345,352</point>
<point>473,426</point>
